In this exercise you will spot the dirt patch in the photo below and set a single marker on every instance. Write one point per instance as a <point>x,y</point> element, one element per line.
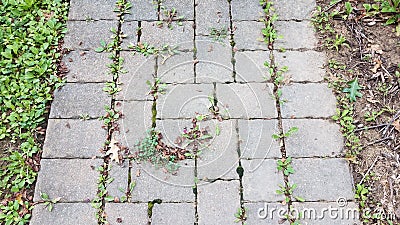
<point>370,54</point>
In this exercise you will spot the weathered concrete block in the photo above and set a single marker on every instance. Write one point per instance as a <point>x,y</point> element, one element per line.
<point>126,213</point>
<point>248,35</point>
<point>308,100</point>
<point>246,10</point>
<point>315,137</point>
<point>87,66</point>
<point>177,68</point>
<point>250,66</point>
<point>261,179</point>
<point>256,139</point>
<point>296,35</point>
<point>75,100</point>
<point>86,10</point>
<point>319,179</point>
<point>68,138</point>
<point>218,202</point>
<point>266,213</point>
<point>295,10</point>
<point>252,100</point>
<point>211,14</point>
<point>87,35</point>
<point>71,179</point>
<point>64,214</point>
<point>143,10</point>
<point>174,213</point>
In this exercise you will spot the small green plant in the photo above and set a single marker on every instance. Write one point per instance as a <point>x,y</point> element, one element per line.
<point>49,203</point>
<point>289,133</point>
<point>353,90</point>
<point>218,34</point>
<point>372,116</point>
<point>157,88</point>
<point>361,194</point>
<point>240,215</point>
<point>337,43</point>
<point>285,165</point>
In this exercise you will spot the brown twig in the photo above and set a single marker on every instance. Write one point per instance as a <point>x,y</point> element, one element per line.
<point>371,127</point>
<point>331,6</point>
<point>390,123</point>
<point>369,169</point>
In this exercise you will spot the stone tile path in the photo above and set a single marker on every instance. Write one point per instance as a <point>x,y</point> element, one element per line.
<point>208,190</point>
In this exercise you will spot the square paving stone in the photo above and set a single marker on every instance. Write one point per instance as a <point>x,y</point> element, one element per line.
<point>174,213</point>
<point>156,183</point>
<point>183,8</point>
<point>211,14</point>
<point>119,174</point>
<point>315,137</point>
<point>322,179</point>
<point>260,180</point>
<point>178,68</point>
<point>256,139</point>
<point>296,35</point>
<point>184,101</point>
<point>214,61</point>
<point>75,100</point>
<point>308,100</point>
<point>265,213</point>
<point>68,138</point>
<point>64,214</point>
<point>303,66</point>
<point>87,66</point>
<point>327,213</point>
<point>246,10</point>
<point>250,66</point>
<point>294,9</point>
<point>133,84</point>
<point>85,9</point>
<point>126,214</point>
<point>218,202</point>
<point>246,101</point>
<point>135,122</point>
<point>73,180</point>
<point>142,10</point>
<point>130,30</point>
<point>87,35</point>
<point>180,36</point>
<point>248,35</point>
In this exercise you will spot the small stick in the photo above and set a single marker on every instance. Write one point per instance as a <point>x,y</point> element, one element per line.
<point>331,6</point>
<point>369,169</point>
<point>367,128</point>
<point>377,141</point>
<point>390,123</point>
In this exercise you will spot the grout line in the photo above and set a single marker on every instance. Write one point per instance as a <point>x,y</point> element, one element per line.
<point>196,178</point>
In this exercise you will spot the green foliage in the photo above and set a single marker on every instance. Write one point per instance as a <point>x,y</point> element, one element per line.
<point>361,194</point>
<point>285,165</point>
<point>29,32</point>
<point>353,90</point>
<point>240,215</point>
<point>218,35</point>
<point>289,133</point>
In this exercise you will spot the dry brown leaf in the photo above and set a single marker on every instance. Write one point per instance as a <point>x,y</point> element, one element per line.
<point>377,65</point>
<point>114,150</point>
<point>377,49</point>
<point>396,125</point>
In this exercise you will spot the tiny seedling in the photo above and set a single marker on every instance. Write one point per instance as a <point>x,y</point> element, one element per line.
<point>285,166</point>
<point>49,203</point>
<point>84,116</point>
<point>289,133</point>
<point>240,215</point>
<point>218,35</point>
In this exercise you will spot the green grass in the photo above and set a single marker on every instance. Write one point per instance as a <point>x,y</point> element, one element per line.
<point>30,32</point>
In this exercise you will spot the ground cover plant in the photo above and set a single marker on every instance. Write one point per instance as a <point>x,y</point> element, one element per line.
<point>30,34</point>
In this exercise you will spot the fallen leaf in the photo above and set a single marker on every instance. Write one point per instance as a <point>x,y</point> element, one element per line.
<point>377,49</point>
<point>396,125</point>
<point>114,150</point>
<point>377,65</point>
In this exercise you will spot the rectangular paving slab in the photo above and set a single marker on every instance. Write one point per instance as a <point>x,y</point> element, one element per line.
<point>86,10</point>
<point>126,213</point>
<point>130,31</point>
<point>246,10</point>
<point>294,9</point>
<point>260,180</point>
<point>214,61</point>
<point>87,66</point>
<point>133,84</point>
<point>156,183</point>
<point>183,8</point>
<point>184,100</point>
<point>248,35</point>
<point>253,100</point>
<point>173,213</point>
<point>75,100</point>
<point>218,202</point>
<point>64,214</point>
<point>178,68</point>
<point>119,173</point>
<point>296,35</point>
<point>211,14</point>
<point>308,100</point>
<point>250,67</point>
<point>255,137</point>
<point>87,35</point>
<point>302,66</point>
<point>143,10</point>
<point>74,180</point>
<point>315,137</point>
<point>69,138</point>
<point>322,179</point>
